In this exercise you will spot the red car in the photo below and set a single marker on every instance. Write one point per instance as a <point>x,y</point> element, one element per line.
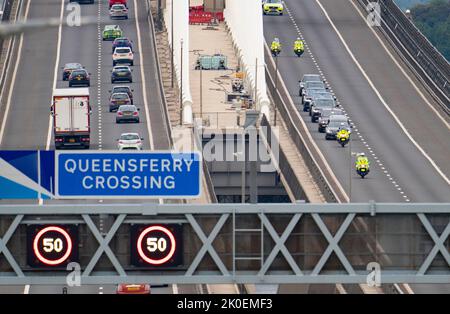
<point>112,2</point>
<point>133,289</point>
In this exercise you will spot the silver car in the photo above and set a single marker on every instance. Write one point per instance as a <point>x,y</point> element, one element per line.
<point>127,113</point>
<point>335,123</point>
<point>118,11</point>
<point>305,79</point>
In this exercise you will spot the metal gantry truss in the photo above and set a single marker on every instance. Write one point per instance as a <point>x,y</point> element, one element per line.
<point>276,262</point>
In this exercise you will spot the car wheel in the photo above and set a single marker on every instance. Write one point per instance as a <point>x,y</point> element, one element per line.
<point>132,63</point>
<point>131,81</point>
<point>112,81</point>
<point>137,120</point>
<point>114,63</point>
<point>117,121</point>
<point>70,84</point>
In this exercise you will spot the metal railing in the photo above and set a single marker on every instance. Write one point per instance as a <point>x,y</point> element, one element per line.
<point>412,236</point>
<point>420,55</point>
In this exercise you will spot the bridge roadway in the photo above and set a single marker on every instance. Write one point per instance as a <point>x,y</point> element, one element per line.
<point>44,53</point>
<point>400,172</point>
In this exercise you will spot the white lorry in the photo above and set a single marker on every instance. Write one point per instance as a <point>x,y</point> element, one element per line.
<point>71,117</point>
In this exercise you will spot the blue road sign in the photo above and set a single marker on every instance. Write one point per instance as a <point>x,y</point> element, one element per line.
<point>112,174</point>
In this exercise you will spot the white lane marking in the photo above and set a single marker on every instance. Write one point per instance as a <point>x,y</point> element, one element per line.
<point>431,161</point>
<point>55,75</point>
<point>403,71</point>
<point>175,289</point>
<point>144,82</point>
<point>13,79</point>
<point>26,290</point>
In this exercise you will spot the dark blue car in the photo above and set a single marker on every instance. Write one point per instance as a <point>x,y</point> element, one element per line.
<point>121,73</point>
<point>122,42</point>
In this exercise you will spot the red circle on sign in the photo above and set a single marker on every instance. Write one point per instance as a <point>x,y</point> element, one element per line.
<point>38,253</point>
<point>172,245</point>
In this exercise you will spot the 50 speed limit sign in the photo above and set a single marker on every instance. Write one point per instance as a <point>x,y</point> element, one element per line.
<point>51,245</point>
<point>156,245</point>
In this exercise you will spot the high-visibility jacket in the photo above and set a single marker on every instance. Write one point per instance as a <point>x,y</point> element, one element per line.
<point>275,46</point>
<point>343,133</point>
<point>362,162</point>
<point>298,45</point>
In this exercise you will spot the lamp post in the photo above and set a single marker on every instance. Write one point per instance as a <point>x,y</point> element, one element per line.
<point>181,83</point>
<point>197,53</point>
<point>276,90</point>
<point>171,34</point>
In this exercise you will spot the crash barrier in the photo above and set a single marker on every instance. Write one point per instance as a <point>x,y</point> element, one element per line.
<point>181,43</point>
<point>421,56</point>
<point>244,20</point>
<point>305,145</point>
<point>296,191</point>
<point>224,243</point>
<point>159,75</point>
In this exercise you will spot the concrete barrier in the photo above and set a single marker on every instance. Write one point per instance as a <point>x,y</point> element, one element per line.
<point>180,34</point>
<point>244,20</point>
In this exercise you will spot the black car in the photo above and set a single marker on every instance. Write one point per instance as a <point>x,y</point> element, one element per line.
<point>325,117</point>
<point>121,73</point>
<point>122,42</point>
<point>79,77</point>
<point>123,89</point>
<point>320,104</point>
<point>118,99</point>
<point>68,68</point>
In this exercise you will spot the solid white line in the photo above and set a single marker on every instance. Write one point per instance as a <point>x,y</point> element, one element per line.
<point>55,75</point>
<point>13,80</point>
<point>175,289</point>
<point>144,82</point>
<point>26,290</point>
<point>404,72</point>
<point>439,171</point>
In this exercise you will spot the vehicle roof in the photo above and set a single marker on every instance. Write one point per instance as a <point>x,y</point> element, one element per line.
<point>121,86</point>
<point>71,91</point>
<point>312,76</point>
<point>127,106</point>
<point>121,38</point>
<point>122,48</point>
<point>72,65</point>
<point>338,117</point>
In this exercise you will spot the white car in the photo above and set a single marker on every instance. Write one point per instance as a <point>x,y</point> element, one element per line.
<point>123,55</point>
<point>130,141</point>
<point>118,11</point>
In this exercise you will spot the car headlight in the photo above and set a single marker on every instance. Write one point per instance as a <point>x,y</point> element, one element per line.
<point>329,131</point>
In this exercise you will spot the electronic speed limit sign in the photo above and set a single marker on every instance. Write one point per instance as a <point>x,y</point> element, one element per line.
<point>156,245</point>
<point>51,245</point>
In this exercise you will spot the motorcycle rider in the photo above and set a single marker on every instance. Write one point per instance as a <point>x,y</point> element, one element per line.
<point>361,161</point>
<point>343,132</point>
<point>276,46</point>
<point>298,46</point>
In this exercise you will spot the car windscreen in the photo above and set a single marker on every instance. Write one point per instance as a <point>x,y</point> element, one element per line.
<point>315,85</point>
<point>324,103</point>
<point>122,50</point>
<point>338,123</point>
<point>121,69</point>
<point>120,90</point>
<point>118,7</point>
<point>273,1</point>
<point>76,73</point>
<point>129,137</point>
<point>311,78</point>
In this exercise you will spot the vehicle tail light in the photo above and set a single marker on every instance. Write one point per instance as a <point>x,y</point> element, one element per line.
<point>85,139</point>
<point>130,54</point>
<point>138,142</point>
<point>58,140</point>
<point>120,142</point>
<point>119,113</point>
<point>135,113</point>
